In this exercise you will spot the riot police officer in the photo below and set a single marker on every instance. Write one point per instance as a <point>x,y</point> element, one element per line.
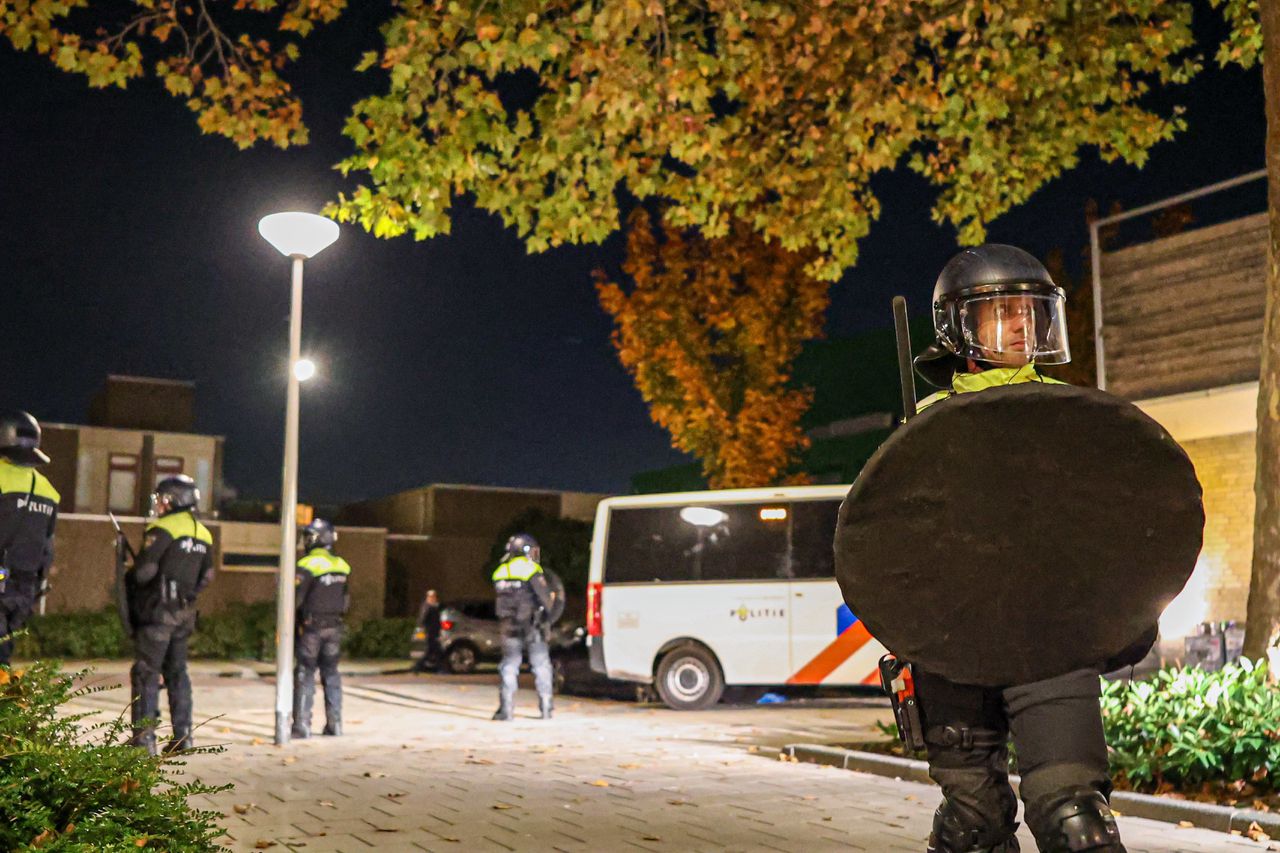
<point>28,512</point>
<point>523,603</point>
<point>998,315</point>
<point>174,565</point>
<point>322,599</point>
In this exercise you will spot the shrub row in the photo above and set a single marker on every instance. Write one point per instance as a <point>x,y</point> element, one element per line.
<point>240,632</point>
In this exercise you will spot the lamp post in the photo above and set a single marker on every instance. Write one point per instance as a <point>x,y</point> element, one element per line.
<point>298,236</point>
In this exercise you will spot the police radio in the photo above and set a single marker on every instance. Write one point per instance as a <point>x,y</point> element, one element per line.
<point>895,678</point>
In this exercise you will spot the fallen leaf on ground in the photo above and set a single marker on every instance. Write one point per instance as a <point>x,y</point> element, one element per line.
<point>828,817</point>
<point>369,774</point>
<point>502,806</point>
<point>650,838</point>
<point>1186,824</point>
<point>599,783</point>
<point>679,803</point>
<point>630,766</point>
<point>263,844</point>
<point>328,803</point>
<point>1255,832</point>
<point>290,759</point>
<point>244,808</point>
<point>257,742</point>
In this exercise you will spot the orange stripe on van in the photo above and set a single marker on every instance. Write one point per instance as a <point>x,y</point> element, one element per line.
<point>826,661</point>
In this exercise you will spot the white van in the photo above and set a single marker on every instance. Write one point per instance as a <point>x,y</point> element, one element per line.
<point>698,590</point>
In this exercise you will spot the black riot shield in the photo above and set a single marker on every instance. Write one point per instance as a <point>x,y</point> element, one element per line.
<point>555,592</point>
<point>124,578</point>
<point>1019,533</point>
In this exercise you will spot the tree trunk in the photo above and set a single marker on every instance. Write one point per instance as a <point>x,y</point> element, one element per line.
<point>1263,630</point>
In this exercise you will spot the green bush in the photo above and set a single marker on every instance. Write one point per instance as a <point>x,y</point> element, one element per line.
<point>380,638</point>
<point>70,785</point>
<point>1188,727</point>
<point>242,631</point>
<point>89,634</point>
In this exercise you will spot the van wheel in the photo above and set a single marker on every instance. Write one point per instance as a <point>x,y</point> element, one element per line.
<point>689,678</point>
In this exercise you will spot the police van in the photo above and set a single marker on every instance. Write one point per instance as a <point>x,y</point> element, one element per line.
<point>694,591</point>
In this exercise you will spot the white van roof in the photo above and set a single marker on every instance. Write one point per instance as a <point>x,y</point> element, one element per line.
<point>771,493</point>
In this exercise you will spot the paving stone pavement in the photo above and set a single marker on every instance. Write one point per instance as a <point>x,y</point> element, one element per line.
<point>421,767</point>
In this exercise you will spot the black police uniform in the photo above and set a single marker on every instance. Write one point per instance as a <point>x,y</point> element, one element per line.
<point>28,513</point>
<point>522,601</point>
<point>322,599</point>
<point>1055,723</point>
<point>175,565</point>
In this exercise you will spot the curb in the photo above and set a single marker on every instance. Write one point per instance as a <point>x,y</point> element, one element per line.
<point>1203,815</point>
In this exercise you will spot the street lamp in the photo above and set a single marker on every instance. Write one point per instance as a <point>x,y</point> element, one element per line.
<point>297,236</point>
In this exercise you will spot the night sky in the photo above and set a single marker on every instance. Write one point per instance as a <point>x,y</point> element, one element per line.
<point>128,244</point>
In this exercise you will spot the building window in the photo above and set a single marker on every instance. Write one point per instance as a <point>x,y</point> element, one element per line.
<point>167,466</point>
<point>122,483</point>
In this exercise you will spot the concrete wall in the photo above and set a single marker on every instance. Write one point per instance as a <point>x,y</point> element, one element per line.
<point>83,577</point>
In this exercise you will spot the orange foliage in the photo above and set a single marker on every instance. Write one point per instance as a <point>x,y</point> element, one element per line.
<point>709,330</point>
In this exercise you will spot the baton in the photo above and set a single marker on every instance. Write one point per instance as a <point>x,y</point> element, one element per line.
<point>905,376</point>
<point>120,537</point>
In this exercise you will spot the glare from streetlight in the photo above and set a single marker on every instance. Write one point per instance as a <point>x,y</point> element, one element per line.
<point>304,369</point>
<point>298,235</point>
<point>703,516</point>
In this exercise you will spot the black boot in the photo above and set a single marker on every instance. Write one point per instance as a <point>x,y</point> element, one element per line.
<point>950,835</point>
<point>1081,821</point>
<point>145,740</point>
<point>180,742</point>
<point>544,705</point>
<point>301,729</point>
<point>333,725</point>
<point>503,712</point>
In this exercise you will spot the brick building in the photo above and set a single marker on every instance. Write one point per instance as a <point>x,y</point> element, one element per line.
<point>1181,328</point>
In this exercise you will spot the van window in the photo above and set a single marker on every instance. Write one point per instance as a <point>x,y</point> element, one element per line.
<point>813,533</point>
<point>720,542</point>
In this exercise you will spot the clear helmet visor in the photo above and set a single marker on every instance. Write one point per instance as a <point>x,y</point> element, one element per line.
<point>1014,328</point>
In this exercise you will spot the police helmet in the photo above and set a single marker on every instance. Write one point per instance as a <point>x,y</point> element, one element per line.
<point>523,545</point>
<point>20,438</point>
<point>318,534</point>
<point>174,494</point>
<point>997,305</point>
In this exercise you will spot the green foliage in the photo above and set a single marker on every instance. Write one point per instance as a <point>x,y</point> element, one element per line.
<point>1187,727</point>
<point>1244,41</point>
<point>380,638</point>
<point>75,636</point>
<point>242,631</point>
<point>775,113</point>
<point>565,545</point>
<point>69,784</point>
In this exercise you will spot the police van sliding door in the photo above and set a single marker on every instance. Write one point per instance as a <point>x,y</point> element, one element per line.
<point>828,644</point>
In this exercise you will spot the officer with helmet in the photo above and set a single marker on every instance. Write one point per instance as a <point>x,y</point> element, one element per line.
<point>174,565</point>
<point>524,599</point>
<point>322,599</point>
<point>998,316</point>
<point>28,512</point>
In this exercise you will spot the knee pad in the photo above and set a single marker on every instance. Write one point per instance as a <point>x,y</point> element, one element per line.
<point>954,832</point>
<point>1081,822</point>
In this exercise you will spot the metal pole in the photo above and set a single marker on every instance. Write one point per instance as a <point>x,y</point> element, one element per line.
<point>1095,262</point>
<point>288,523</point>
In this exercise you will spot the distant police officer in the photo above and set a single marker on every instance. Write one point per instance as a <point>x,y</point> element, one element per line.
<point>321,600</point>
<point>998,315</point>
<point>523,602</point>
<point>28,511</point>
<point>174,565</point>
